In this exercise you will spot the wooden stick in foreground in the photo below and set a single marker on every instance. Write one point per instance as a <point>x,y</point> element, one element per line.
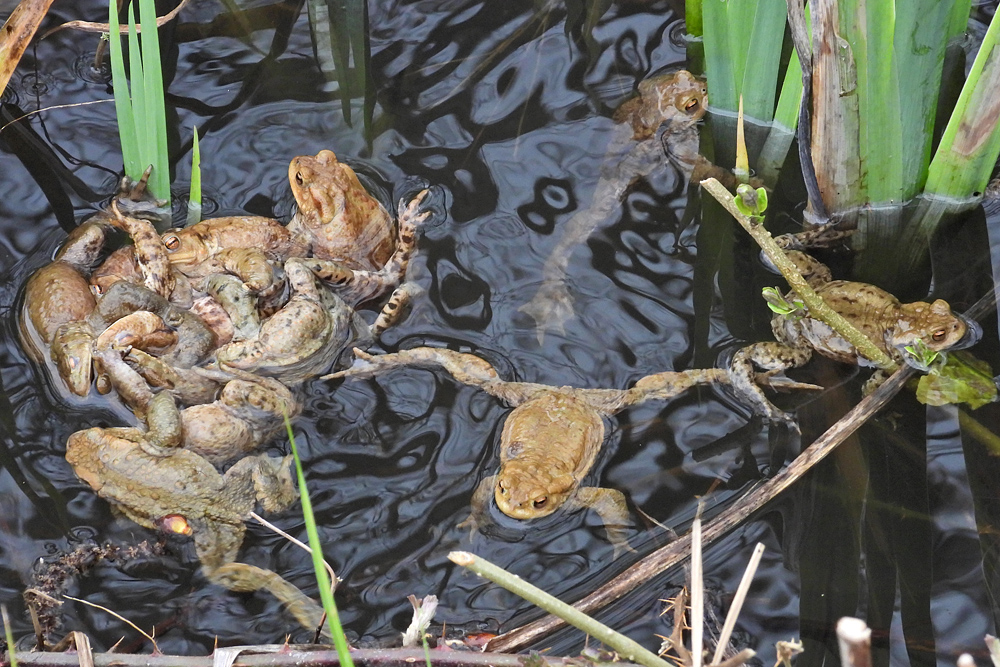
<point>675,552</point>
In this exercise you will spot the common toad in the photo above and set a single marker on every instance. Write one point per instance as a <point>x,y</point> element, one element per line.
<point>891,325</point>
<point>656,126</point>
<point>551,438</point>
<point>162,487</point>
<point>337,218</point>
<point>309,333</point>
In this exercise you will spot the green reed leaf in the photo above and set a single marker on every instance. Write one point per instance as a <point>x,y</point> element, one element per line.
<point>322,579</point>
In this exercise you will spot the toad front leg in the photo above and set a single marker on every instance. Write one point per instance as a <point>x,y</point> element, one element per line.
<point>356,286</point>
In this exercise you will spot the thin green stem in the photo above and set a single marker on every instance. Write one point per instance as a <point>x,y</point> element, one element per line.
<point>9,636</point>
<point>319,565</point>
<point>627,648</point>
<point>817,307</point>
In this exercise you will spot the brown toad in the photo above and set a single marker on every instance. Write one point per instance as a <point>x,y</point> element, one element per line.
<point>337,218</point>
<point>674,102</point>
<point>309,333</point>
<point>160,486</point>
<point>552,437</point>
<point>891,325</point>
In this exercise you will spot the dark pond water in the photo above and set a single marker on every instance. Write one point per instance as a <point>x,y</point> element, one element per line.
<point>511,117</point>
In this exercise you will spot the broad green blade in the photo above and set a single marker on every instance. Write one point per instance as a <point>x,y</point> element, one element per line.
<point>786,119</point>
<point>692,17</point>
<point>763,56</point>
<point>868,27</point>
<point>743,41</point>
<point>156,115</point>
<point>123,101</point>
<point>958,22</point>
<point>919,48</point>
<point>722,91</point>
<point>138,93</point>
<point>968,150</point>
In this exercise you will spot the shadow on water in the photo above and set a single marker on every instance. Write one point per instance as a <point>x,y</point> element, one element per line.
<point>509,110</point>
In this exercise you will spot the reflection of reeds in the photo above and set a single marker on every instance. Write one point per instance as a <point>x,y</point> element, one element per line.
<point>142,123</point>
<point>340,39</point>
<point>322,578</point>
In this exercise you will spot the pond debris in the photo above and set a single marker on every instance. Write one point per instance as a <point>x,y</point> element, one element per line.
<point>855,640</point>
<point>52,576</point>
<point>786,651</point>
<point>423,614</point>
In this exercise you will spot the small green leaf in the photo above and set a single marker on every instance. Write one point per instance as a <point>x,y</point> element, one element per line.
<point>761,199</point>
<point>750,202</point>
<point>777,302</point>
<point>920,356</point>
<point>962,379</point>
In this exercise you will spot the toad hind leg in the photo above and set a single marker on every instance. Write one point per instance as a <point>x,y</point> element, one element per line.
<point>610,505</point>
<point>772,357</point>
<point>481,499</point>
<point>395,309</point>
<point>243,578</point>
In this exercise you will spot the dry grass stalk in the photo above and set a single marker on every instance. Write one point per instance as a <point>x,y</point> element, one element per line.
<point>855,640</point>
<point>737,605</point>
<point>156,648</point>
<point>697,594</point>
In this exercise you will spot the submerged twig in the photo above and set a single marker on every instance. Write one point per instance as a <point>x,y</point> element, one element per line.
<point>628,648</point>
<point>675,552</point>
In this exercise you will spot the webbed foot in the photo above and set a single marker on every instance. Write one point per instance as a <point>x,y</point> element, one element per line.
<point>551,306</point>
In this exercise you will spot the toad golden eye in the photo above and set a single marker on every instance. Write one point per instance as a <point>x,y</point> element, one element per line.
<point>939,335</point>
<point>171,242</point>
<point>299,179</point>
<point>691,104</point>
<point>540,502</point>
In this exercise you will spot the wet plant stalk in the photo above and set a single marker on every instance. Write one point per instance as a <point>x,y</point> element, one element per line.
<point>319,564</point>
<point>817,307</point>
<point>627,648</point>
<point>9,636</point>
